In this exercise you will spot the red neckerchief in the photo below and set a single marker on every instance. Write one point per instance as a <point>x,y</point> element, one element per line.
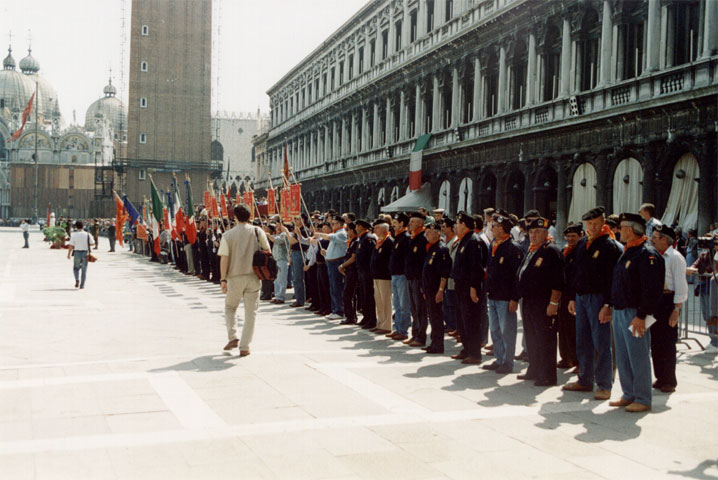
<point>350,240</point>
<point>567,250</point>
<point>362,234</point>
<point>637,242</point>
<point>336,229</point>
<point>418,232</point>
<point>379,242</point>
<point>605,230</point>
<point>429,245</point>
<point>533,248</point>
<point>399,232</point>
<point>497,244</point>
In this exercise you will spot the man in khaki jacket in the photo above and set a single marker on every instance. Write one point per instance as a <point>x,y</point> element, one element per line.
<point>238,280</point>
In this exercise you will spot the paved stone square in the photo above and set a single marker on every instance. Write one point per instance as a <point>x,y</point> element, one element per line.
<point>126,380</point>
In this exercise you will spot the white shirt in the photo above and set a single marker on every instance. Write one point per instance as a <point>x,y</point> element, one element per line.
<point>25,227</point>
<point>81,240</point>
<point>675,275</point>
<point>516,233</point>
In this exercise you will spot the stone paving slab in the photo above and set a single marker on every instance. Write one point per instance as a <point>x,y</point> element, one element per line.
<point>126,380</point>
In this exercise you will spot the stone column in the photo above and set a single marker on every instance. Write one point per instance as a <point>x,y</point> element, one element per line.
<point>406,25</point>
<point>565,80</point>
<point>367,54</point>
<point>364,130</point>
<point>455,98</point>
<point>402,115</point>
<point>354,140</point>
<point>653,35</point>
<point>501,95</point>
<point>422,18</point>
<point>710,28</point>
<point>478,109</point>
<point>419,112</point>
<point>606,47</point>
<point>389,123</point>
<point>531,70</point>
<point>561,195</point>
<point>375,126</point>
<point>436,106</point>
<point>392,34</point>
<point>439,6</point>
<point>327,145</point>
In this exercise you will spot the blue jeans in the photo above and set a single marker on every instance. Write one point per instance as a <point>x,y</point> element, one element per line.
<point>502,325</point>
<point>633,358</point>
<point>449,309</point>
<point>400,298</point>
<point>80,264</point>
<point>593,339</point>
<point>280,283</point>
<point>336,286</point>
<point>298,276</point>
<point>26,236</point>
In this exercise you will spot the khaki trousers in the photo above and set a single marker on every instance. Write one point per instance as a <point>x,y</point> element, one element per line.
<point>382,297</point>
<point>241,288</point>
<point>190,258</point>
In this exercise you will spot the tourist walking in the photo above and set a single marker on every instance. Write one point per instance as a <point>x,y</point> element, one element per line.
<point>79,247</point>
<point>237,277</point>
<point>25,227</point>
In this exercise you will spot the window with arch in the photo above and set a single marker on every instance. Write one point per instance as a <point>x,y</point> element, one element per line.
<point>143,66</point>
<point>466,191</point>
<point>143,102</point>
<point>583,191</point>
<point>145,30</point>
<point>445,196</point>
<point>682,31</point>
<point>588,51</point>
<point>627,186</point>
<point>630,42</point>
<point>381,197</point>
<point>394,194</point>
<point>682,206</point>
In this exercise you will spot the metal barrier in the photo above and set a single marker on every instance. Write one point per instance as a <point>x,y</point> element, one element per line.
<point>694,316</point>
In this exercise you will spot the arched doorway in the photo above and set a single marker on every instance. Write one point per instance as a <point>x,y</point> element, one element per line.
<point>545,193</point>
<point>381,197</point>
<point>515,193</point>
<point>627,186</point>
<point>583,191</point>
<point>682,206</point>
<point>466,193</point>
<point>394,194</point>
<point>445,196</point>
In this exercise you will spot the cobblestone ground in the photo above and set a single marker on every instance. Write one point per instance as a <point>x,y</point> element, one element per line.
<point>126,379</point>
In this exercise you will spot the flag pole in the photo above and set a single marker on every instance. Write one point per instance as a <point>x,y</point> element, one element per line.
<point>34,211</point>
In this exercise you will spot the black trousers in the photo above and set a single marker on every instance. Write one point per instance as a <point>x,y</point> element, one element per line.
<point>267,290</point>
<point>350,287</point>
<point>663,343</point>
<point>310,285</point>
<point>204,259</point>
<point>196,259</point>
<point>540,332</point>
<point>468,319</point>
<point>436,319</point>
<point>366,297</point>
<point>417,305</point>
<point>566,332</point>
<point>112,243</point>
<point>325,300</point>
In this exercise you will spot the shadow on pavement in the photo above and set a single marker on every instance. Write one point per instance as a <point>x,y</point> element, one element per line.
<point>207,363</point>
<point>699,471</point>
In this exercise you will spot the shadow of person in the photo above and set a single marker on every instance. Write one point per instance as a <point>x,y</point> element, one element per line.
<point>475,380</point>
<point>206,363</point>
<point>700,470</point>
<point>435,370</point>
<point>705,361</point>
<point>519,394</point>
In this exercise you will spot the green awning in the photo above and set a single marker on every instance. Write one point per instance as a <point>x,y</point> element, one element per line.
<point>422,142</point>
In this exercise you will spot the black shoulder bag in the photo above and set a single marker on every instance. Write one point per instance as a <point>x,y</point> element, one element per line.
<point>264,265</point>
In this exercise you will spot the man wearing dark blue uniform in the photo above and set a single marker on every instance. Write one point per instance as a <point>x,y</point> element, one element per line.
<point>414,264</point>
<point>468,275</point>
<point>540,280</point>
<point>436,271</point>
<point>365,249</point>
<point>636,293</point>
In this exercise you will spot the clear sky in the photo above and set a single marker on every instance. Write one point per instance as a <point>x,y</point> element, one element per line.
<point>76,43</point>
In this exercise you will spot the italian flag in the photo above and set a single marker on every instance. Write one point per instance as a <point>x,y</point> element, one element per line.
<point>157,213</point>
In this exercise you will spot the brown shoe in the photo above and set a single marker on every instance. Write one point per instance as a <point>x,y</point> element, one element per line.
<point>391,334</point>
<point>243,353</point>
<point>620,403</point>
<point>577,387</point>
<point>471,360</point>
<point>415,343</point>
<point>232,344</point>
<point>459,356</point>
<point>408,341</point>
<point>400,336</point>
<point>637,407</point>
<point>379,331</point>
<point>602,394</point>
<point>668,389</point>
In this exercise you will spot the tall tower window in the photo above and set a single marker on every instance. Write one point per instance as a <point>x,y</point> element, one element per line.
<point>143,66</point>
<point>143,138</point>
<point>145,30</point>
<point>143,102</point>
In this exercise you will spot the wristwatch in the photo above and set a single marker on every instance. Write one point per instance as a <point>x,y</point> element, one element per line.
<point>554,304</point>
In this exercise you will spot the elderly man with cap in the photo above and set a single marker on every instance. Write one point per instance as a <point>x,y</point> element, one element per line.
<point>636,291</point>
<point>567,321</point>
<point>413,267</point>
<point>448,306</point>
<point>382,276</point>
<point>468,273</point>
<point>399,283</point>
<point>540,283</point>
<point>596,255</point>
<point>435,273</point>
<point>365,249</point>
<point>502,268</point>
<point>664,333</point>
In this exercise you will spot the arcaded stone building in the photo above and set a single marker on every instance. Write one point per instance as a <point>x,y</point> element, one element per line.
<point>555,105</point>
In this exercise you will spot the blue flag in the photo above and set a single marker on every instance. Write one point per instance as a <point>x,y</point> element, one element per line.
<point>134,214</point>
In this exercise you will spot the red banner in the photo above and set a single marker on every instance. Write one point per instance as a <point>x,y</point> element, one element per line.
<point>239,199</point>
<point>271,210</point>
<point>284,205</point>
<point>207,200</point>
<point>295,199</point>
<point>249,201</point>
<point>142,232</point>
<point>215,208</point>
<point>223,203</point>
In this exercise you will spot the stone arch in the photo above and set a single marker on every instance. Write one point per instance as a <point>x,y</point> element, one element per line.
<point>682,205</point>
<point>627,186</point>
<point>465,194</point>
<point>583,191</point>
<point>444,196</point>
